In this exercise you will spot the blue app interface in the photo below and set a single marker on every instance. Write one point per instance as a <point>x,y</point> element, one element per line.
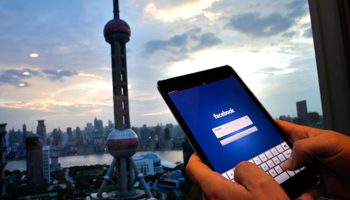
<point>226,122</point>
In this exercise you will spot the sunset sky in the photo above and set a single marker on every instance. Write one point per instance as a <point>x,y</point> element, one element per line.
<point>69,81</point>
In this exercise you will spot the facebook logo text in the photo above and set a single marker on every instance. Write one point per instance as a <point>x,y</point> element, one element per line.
<point>223,113</point>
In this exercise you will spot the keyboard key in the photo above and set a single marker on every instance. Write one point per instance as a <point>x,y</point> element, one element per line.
<point>257,161</point>
<point>264,167</point>
<point>281,157</point>
<point>272,172</point>
<point>230,173</point>
<point>276,160</point>
<point>268,154</point>
<point>285,146</point>
<point>282,178</point>
<point>279,148</point>
<point>263,157</point>
<point>281,165</point>
<point>270,163</point>
<point>291,173</point>
<point>302,168</point>
<point>287,153</point>
<point>274,151</point>
<point>224,175</point>
<point>278,169</point>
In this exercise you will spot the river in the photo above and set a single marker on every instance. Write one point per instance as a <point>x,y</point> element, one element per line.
<point>68,161</point>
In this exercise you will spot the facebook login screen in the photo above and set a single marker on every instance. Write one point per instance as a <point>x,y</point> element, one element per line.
<point>230,128</point>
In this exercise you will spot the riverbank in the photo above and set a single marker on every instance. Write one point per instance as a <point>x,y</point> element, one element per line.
<point>101,153</point>
<point>104,158</point>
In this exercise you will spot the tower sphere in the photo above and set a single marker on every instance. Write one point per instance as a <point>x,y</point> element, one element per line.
<point>116,26</point>
<point>122,143</point>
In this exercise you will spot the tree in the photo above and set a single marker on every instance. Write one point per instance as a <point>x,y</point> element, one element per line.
<point>82,185</point>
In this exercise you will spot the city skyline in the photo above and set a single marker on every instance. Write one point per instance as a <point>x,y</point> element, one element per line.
<point>109,124</point>
<point>69,81</point>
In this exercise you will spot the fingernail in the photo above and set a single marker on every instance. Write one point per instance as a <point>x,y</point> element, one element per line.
<point>289,163</point>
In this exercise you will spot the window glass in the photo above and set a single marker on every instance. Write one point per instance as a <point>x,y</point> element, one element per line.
<point>55,65</point>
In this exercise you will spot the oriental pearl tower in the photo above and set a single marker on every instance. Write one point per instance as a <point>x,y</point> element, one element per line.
<point>122,141</point>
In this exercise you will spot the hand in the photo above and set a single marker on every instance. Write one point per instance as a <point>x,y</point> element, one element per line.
<point>251,182</point>
<point>329,153</point>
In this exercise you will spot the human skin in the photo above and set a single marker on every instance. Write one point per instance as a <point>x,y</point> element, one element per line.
<point>327,151</point>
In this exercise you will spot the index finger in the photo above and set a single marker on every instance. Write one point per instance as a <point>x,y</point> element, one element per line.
<point>210,181</point>
<point>200,173</point>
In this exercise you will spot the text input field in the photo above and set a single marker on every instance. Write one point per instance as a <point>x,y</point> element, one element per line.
<point>232,126</point>
<point>238,136</point>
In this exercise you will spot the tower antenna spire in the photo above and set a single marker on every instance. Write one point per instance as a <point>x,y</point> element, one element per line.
<point>116,9</point>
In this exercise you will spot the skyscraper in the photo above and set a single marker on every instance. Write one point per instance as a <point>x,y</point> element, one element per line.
<point>110,124</point>
<point>24,129</point>
<point>41,131</point>
<point>302,112</point>
<point>34,160</point>
<point>3,161</point>
<point>69,132</point>
<point>98,126</point>
<point>46,164</point>
<point>54,159</point>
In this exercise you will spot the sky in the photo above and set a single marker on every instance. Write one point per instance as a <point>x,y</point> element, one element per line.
<point>269,43</point>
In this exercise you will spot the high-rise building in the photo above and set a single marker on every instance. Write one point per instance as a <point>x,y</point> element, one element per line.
<point>110,124</point>
<point>158,129</point>
<point>34,160</point>
<point>56,137</point>
<point>24,129</point>
<point>69,132</point>
<point>12,136</point>
<point>313,117</point>
<point>145,133</point>
<point>46,164</point>
<point>302,112</point>
<point>98,125</point>
<point>41,131</point>
<point>54,159</point>
<point>89,127</point>
<point>79,136</point>
<point>171,129</point>
<point>3,161</point>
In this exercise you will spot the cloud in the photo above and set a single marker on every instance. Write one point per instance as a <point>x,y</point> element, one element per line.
<point>175,41</point>
<point>58,75</point>
<point>15,77</point>
<point>207,40</point>
<point>158,113</point>
<point>253,24</point>
<point>289,34</point>
<point>275,71</point>
<point>307,33</point>
<point>298,8</point>
<point>180,46</point>
<point>170,11</point>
